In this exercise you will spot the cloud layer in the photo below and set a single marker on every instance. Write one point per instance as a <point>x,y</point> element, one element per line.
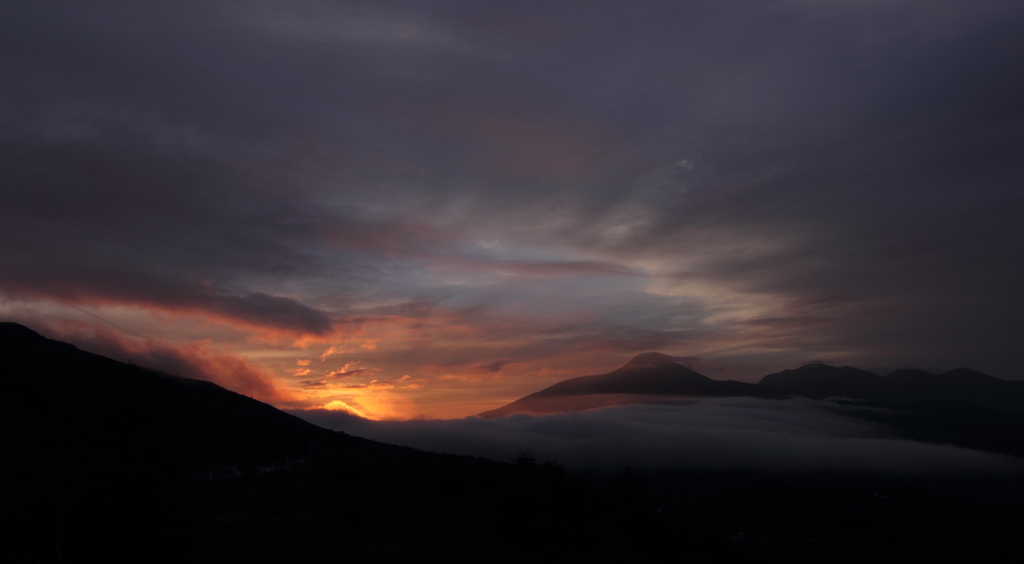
<point>712,434</point>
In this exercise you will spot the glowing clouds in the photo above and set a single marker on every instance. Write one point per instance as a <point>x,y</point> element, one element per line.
<point>338,405</point>
<point>375,401</point>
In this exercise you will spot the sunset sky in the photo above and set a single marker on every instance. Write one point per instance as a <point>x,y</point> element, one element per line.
<point>429,209</point>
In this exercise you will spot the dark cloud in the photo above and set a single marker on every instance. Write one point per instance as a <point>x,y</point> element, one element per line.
<point>493,366</point>
<point>719,434</point>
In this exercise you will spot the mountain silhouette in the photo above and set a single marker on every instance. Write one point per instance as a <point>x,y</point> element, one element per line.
<point>961,407</point>
<point>69,400</point>
<point>654,377</point>
<point>644,378</point>
<point>819,381</point>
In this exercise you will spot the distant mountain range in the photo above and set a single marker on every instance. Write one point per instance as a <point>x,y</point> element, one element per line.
<point>960,407</point>
<point>646,377</point>
<point>654,377</point>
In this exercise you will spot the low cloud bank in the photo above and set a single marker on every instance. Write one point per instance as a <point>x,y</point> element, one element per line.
<point>725,433</point>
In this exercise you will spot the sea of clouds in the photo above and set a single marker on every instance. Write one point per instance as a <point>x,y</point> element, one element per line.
<point>707,434</point>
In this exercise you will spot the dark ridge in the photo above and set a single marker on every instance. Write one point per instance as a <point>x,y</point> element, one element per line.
<point>73,397</point>
<point>13,335</point>
<point>960,384</point>
<point>819,381</point>
<point>968,375</point>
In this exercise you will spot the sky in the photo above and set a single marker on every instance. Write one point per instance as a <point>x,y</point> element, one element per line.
<point>429,209</point>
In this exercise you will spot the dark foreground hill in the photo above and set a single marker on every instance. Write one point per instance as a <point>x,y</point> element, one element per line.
<point>108,462</point>
<point>64,404</point>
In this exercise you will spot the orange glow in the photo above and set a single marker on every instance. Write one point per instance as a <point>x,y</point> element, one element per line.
<point>338,405</point>
<point>425,361</point>
<point>375,401</point>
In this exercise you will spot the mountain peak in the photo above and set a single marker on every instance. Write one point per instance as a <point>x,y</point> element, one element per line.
<point>648,360</point>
